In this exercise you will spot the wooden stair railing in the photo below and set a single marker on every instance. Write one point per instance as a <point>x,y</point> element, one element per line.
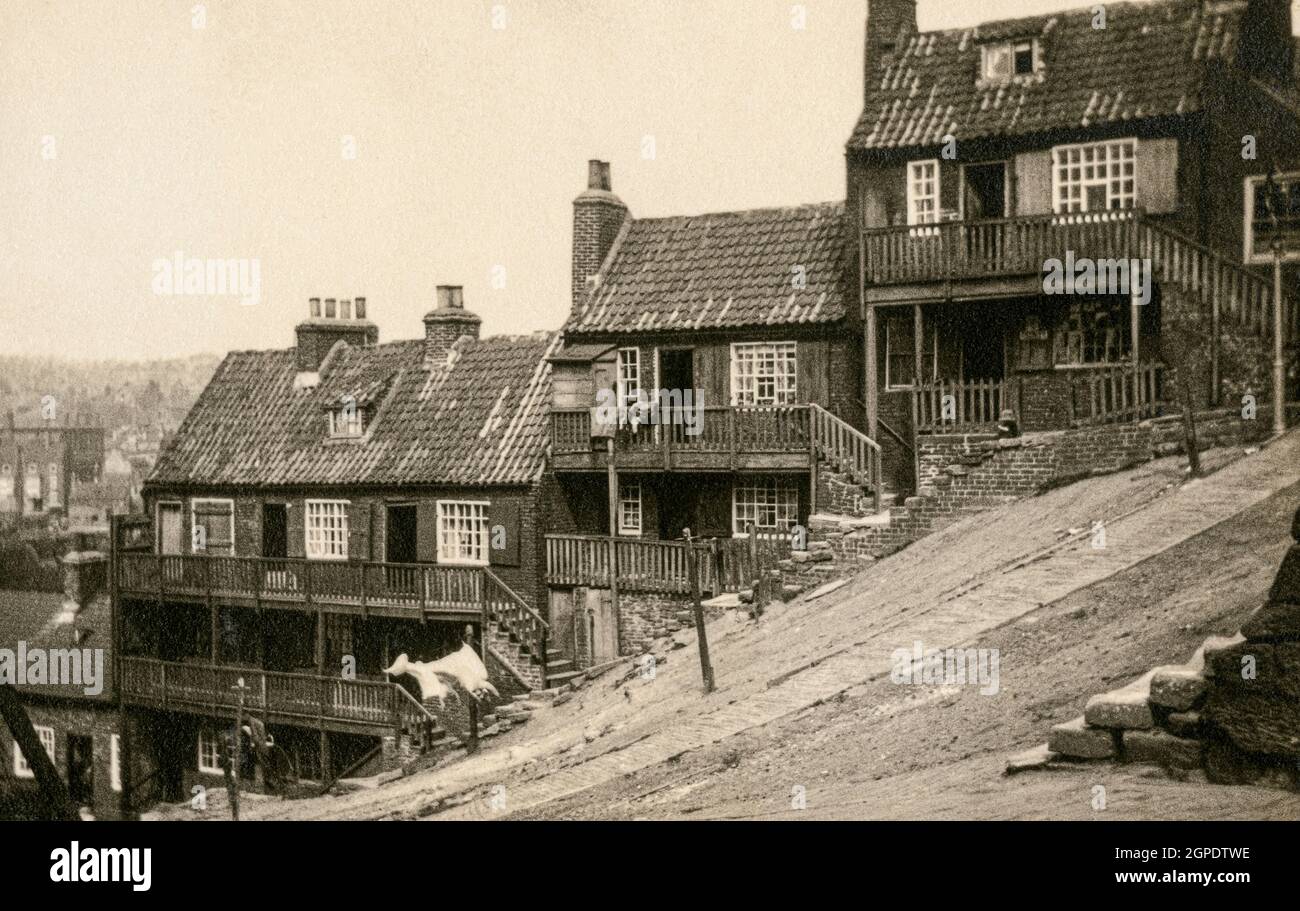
<point>412,714</point>
<point>514,616</point>
<point>848,448</point>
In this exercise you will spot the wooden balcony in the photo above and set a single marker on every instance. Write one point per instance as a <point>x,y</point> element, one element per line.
<point>380,589</point>
<point>730,439</point>
<point>989,257</point>
<point>360,706</point>
<point>725,565</point>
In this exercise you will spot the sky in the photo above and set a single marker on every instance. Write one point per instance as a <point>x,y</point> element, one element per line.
<point>346,148</point>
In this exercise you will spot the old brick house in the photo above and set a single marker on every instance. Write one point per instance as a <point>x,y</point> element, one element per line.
<point>737,331</point>
<point>77,722</point>
<point>323,509</point>
<point>1145,130</point>
<point>44,467</point>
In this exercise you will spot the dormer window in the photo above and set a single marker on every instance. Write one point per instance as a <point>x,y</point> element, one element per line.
<point>1006,59</point>
<point>347,422</point>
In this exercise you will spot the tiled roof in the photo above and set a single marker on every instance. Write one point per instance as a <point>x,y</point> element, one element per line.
<point>722,270</point>
<point>480,419</point>
<point>1149,61</point>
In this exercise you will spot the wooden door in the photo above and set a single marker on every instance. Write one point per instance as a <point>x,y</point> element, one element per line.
<point>604,625</point>
<point>170,536</point>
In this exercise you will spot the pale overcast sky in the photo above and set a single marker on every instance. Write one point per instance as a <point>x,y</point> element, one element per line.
<point>127,134</point>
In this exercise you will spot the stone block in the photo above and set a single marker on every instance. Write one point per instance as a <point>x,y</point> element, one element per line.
<point>1076,740</point>
<point>1037,758</point>
<point>1162,748</point>
<point>1177,688</point>
<point>1184,724</point>
<point>1126,708</point>
<point>1276,621</point>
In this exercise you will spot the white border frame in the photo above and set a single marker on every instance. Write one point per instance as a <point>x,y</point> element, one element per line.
<point>1249,257</point>
<point>731,372</point>
<point>205,732</point>
<point>1056,178</point>
<point>938,193</point>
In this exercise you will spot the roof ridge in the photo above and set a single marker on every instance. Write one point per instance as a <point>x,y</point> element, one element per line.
<point>831,204</point>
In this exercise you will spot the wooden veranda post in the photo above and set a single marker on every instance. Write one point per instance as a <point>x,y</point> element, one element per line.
<point>693,570</point>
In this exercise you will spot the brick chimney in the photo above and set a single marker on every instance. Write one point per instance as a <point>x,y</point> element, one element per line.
<point>598,216</point>
<point>889,22</point>
<point>444,325</point>
<point>85,575</point>
<point>330,323</point>
<point>1266,48</point>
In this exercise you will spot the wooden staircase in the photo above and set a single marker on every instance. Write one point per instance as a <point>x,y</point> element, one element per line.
<point>517,636</point>
<point>847,450</point>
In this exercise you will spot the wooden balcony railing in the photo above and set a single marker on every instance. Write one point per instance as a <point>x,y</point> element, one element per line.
<point>517,619</point>
<point>966,407</point>
<point>1237,295</point>
<point>725,565</point>
<point>1112,395</point>
<point>723,431</point>
<point>211,689</point>
<point>418,588</point>
<point>1006,246</point>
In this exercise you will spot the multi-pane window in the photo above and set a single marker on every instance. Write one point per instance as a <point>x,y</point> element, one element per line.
<point>629,376</point>
<point>327,529</point>
<point>766,504</point>
<point>52,481</point>
<point>1095,331</point>
<point>629,509</point>
<point>764,373</point>
<point>1008,58</point>
<point>922,192</point>
<point>1261,209</point>
<point>6,488</point>
<point>900,352</point>
<point>347,423</point>
<point>209,758</point>
<point>462,532</point>
<point>1095,177</point>
<point>21,768</point>
<point>213,523</point>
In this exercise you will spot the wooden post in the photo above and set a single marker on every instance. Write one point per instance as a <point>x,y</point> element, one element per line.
<point>612,472</point>
<point>1279,360</point>
<point>472,746</point>
<point>235,759</point>
<point>870,365</point>
<point>1135,329</point>
<point>692,570</point>
<point>47,777</point>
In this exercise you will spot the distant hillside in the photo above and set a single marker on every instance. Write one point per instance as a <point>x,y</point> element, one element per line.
<point>128,398</point>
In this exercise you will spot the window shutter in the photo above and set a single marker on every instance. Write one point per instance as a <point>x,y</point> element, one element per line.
<point>1157,176</point>
<point>426,531</point>
<point>504,513</point>
<point>1033,190</point>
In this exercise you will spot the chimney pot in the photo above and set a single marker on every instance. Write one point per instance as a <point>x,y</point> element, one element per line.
<point>330,307</point>
<point>598,175</point>
<point>361,308</point>
<point>314,304</point>
<point>451,297</point>
<point>345,309</point>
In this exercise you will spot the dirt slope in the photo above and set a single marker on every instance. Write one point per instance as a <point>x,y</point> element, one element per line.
<point>972,581</point>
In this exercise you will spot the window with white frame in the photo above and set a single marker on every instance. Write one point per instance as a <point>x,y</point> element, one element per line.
<point>1009,58</point>
<point>52,480</point>
<point>6,488</point>
<point>32,489</point>
<point>115,762</point>
<point>462,532</point>
<point>629,509</point>
<point>21,768</point>
<point>209,758</point>
<point>1260,225</point>
<point>1097,177</point>
<point>764,373</point>
<point>629,376</point>
<point>327,529</point>
<point>923,192</point>
<point>347,423</point>
<point>213,524</point>
<point>767,504</point>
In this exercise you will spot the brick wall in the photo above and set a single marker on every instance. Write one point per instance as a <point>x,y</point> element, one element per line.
<point>99,722</point>
<point>646,616</point>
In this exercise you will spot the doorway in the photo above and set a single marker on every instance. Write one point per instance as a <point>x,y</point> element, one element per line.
<point>275,531</point>
<point>81,769</point>
<point>170,536</point>
<point>677,369</point>
<point>400,542</point>
<point>985,194</point>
